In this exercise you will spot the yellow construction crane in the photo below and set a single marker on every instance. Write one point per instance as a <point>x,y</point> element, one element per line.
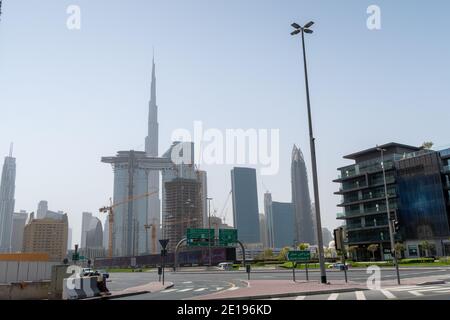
<point>110,210</point>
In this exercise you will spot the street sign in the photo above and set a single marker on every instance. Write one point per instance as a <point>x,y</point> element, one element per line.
<point>228,237</point>
<point>75,257</point>
<point>299,255</point>
<point>163,243</point>
<point>199,237</point>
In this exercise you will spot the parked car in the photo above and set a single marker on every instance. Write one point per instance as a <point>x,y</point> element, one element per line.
<point>338,265</point>
<point>103,273</point>
<point>225,266</point>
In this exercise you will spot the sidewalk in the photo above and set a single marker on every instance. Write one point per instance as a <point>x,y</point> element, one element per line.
<point>146,288</point>
<point>265,289</point>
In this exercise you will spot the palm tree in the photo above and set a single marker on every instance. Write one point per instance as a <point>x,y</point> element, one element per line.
<point>268,253</point>
<point>425,246</point>
<point>372,248</point>
<point>351,250</point>
<point>283,253</point>
<point>399,248</point>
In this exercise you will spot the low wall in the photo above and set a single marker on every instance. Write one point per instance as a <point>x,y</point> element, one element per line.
<point>27,290</point>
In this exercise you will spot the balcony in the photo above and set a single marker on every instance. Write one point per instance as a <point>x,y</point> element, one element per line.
<point>359,170</point>
<point>365,198</point>
<point>366,227</point>
<point>359,213</point>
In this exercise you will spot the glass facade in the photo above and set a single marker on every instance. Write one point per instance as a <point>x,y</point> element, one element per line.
<point>283,224</point>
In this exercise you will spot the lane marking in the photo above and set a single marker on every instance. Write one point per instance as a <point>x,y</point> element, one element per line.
<point>233,288</point>
<point>443,291</point>
<point>201,289</point>
<point>416,288</point>
<point>184,290</point>
<point>416,293</point>
<point>300,298</point>
<point>187,282</point>
<point>333,296</point>
<point>388,294</point>
<point>360,295</point>
<point>275,299</point>
<point>169,290</point>
<point>219,288</point>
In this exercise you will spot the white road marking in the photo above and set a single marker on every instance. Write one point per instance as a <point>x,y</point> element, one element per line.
<point>233,288</point>
<point>300,298</point>
<point>443,291</point>
<point>333,296</point>
<point>187,282</point>
<point>201,289</point>
<point>360,295</point>
<point>219,288</point>
<point>388,294</point>
<point>184,290</point>
<point>169,290</point>
<point>416,288</point>
<point>275,299</point>
<point>416,293</point>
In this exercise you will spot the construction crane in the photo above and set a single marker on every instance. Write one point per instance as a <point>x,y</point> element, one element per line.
<point>153,227</point>
<point>110,210</point>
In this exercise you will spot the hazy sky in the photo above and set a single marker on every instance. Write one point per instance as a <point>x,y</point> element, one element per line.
<point>69,97</point>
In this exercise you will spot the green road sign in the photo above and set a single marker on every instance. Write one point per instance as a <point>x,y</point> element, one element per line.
<point>299,255</point>
<point>228,237</point>
<point>75,257</point>
<point>199,237</point>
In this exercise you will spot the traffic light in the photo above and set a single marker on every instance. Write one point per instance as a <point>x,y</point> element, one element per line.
<point>396,225</point>
<point>338,238</point>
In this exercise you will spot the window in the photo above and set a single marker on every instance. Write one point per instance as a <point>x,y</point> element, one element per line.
<point>412,251</point>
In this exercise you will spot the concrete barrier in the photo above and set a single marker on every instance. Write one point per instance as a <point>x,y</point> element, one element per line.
<point>80,288</point>
<point>26,290</point>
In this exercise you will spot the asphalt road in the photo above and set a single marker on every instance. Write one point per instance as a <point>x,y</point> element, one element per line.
<point>190,284</point>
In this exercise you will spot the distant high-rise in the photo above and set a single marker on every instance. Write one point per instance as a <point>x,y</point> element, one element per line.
<point>263,234</point>
<point>202,178</point>
<point>106,233</point>
<point>42,209</point>
<point>151,150</point>
<point>69,239</point>
<point>85,224</point>
<point>7,190</point>
<point>94,234</point>
<point>18,225</point>
<point>269,219</point>
<point>304,232</point>
<point>245,204</point>
<point>283,224</point>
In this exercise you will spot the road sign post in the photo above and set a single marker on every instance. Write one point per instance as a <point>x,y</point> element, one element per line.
<point>296,256</point>
<point>228,237</point>
<point>199,237</point>
<point>163,243</point>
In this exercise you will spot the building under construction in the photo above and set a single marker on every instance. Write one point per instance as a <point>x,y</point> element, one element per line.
<point>183,209</point>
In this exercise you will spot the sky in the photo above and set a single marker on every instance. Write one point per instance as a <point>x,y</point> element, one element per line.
<point>69,97</point>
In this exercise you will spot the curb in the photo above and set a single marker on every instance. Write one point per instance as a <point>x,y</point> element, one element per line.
<point>128,294</point>
<point>428,283</point>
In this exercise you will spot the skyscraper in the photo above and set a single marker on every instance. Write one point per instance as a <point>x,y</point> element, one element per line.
<point>42,209</point>
<point>263,230</point>
<point>7,190</point>
<point>151,150</point>
<point>245,204</point>
<point>304,228</point>
<point>69,239</point>
<point>94,234</point>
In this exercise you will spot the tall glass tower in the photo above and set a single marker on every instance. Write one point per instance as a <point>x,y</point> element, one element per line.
<point>304,228</point>
<point>7,189</point>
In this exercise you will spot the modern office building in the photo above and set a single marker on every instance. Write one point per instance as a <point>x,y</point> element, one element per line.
<point>304,231</point>
<point>47,235</point>
<point>18,225</point>
<point>327,236</point>
<point>7,190</point>
<point>106,233</point>
<point>202,178</point>
<point>269,219</point>
<point>283,224</point>
<point>245,204</point>
<point>418,192</point>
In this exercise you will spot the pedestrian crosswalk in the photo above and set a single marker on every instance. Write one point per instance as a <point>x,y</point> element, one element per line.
<point>202,290</point>
<point>388,293</point>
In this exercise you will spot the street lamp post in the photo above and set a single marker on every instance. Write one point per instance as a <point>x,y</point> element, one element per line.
<point>303,30</point>
<point>390,221</point>
<point>209,231</point>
